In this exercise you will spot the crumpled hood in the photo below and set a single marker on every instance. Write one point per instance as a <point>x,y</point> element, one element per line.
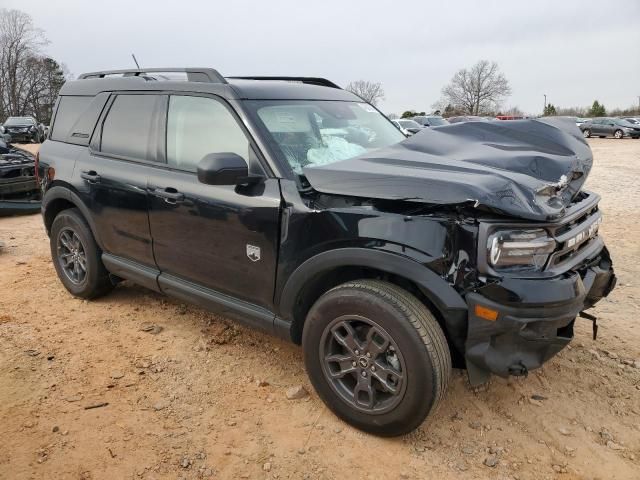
<point>529,169</point>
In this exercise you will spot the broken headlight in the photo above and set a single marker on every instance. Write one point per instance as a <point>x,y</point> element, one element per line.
<point>520,249</point>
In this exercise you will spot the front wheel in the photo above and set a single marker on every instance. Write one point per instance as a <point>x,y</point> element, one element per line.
<point>376,356</point>
<point>586,133</point>
<point>618,134</point>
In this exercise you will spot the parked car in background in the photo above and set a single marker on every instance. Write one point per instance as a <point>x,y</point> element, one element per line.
<point>19,192</point>
<point>430,120</point>
<point>634,120</point>
<point>579,121</point>
<point>24,129</point>
<point>610,127</point>
<point>409,125</point>
<point>509,117</point>
<point>467,118</point>
<point>401,128</point>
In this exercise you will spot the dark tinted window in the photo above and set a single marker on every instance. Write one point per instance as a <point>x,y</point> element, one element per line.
<point>69,110</point>
<point>76,118</point>
<point>127,129</point>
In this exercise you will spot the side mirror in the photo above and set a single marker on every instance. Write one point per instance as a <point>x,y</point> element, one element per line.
<point>222,169</point>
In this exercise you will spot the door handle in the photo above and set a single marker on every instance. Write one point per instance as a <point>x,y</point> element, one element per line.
<point>169,194</point>
<point>90,176</point>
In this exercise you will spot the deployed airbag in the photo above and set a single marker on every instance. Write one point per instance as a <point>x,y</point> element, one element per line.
<point>531,169</point>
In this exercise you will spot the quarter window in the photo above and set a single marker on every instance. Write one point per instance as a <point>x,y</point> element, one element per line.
<point>128,128</point>
<point>69,110</point>
<point>197,126</point>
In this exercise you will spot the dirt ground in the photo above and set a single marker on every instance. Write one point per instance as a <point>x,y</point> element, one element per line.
<point>186,394</point>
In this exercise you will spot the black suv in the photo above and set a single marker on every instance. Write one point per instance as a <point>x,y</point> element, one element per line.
<point>292,206</point>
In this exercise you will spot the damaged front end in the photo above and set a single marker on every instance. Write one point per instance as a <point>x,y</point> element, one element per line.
<point>530,291</point>
<point>537,262</point>
<point>19,191</point>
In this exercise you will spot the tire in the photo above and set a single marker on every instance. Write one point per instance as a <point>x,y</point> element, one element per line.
<point>619,134</point>
<point>71,239</point>
<point>586,133</point>
<point>410,353</point>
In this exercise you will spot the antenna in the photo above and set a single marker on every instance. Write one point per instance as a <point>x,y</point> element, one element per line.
<point>134,59</point>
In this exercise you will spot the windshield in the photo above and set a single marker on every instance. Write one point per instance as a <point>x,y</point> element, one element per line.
<point>624,123</point>
<point>409,124</point>
<point>19,121</point>
<point>314,132</point>
<point>436,121</point>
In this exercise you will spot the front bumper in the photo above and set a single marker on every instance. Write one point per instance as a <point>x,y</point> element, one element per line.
<point>22,136</point>
<point>19,185</point>
<point>535,318</point>
<point>19,207</point>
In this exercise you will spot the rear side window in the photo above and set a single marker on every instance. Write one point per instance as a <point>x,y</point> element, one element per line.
<point>128,129</point>
<point>69,110</point>
<point>197,126</point>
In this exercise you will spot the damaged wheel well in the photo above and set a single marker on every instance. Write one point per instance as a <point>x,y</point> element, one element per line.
<point>315,287</point>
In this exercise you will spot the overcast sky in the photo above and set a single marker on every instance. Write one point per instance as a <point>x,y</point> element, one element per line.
<point>574,51</point>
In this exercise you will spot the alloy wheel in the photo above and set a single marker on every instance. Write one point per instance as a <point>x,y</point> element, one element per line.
<point>363,364</point>
<point>72,256</point>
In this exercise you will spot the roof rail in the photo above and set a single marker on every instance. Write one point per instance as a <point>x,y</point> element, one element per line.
<point>205,75</point>
<point>323,82</point>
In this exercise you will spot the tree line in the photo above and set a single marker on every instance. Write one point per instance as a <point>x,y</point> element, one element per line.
<point>29,79</point>
<point>482,90</point>
<point>596,109</point>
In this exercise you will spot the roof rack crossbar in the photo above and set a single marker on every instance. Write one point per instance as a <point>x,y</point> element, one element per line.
<point>323,82</point>
<point>206,75</point>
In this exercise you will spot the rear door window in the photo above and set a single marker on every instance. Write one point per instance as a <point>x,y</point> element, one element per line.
<point>129,129</point>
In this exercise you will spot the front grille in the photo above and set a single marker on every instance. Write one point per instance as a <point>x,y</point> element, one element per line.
<point>575,236</point>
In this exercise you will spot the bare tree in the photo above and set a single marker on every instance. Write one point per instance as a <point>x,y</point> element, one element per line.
<point>29,81</point>
<point>370,92</point>
<point>478,90</point>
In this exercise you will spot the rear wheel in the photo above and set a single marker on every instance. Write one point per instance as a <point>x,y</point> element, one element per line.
<point>618,134</point>
<point>586,133</point>
<point>376,356</point>
<point>77,257</point>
